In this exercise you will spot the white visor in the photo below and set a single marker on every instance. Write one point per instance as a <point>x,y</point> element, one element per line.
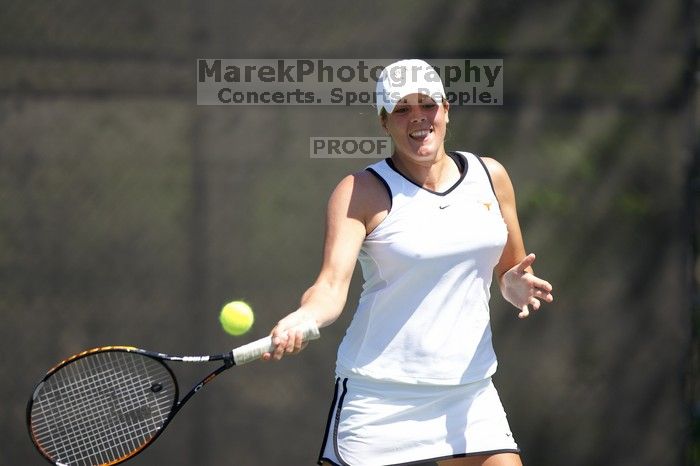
<point>407,77</point>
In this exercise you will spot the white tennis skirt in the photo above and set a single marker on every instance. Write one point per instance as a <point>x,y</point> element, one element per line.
<point>385,423</point>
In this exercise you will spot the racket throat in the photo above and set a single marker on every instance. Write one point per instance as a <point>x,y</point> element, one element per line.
<point>229,361</point>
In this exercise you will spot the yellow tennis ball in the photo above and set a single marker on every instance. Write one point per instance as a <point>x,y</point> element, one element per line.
<point>236,318</point>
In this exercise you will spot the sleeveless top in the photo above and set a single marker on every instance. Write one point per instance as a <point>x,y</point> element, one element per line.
<point>423,315</point>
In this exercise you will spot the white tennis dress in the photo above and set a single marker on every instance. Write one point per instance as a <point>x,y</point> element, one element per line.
<point>414,368</point>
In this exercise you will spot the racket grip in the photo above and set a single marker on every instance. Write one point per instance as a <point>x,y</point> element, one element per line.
<point>252,351</point>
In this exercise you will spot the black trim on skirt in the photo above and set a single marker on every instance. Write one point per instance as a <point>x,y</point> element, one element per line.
<point>334,414</point>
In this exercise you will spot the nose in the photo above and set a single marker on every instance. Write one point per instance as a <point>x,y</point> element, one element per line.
<point>417,114</point>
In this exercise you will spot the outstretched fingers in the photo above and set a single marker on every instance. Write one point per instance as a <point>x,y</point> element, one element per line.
<point>542,289</point>
<point>524,312</point>
<point>525,309</point>
<point>527,261</point>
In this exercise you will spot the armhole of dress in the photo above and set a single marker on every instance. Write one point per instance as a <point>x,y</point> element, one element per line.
<point>386,185</point>
<point>488,175</point>
<point>460,161</point>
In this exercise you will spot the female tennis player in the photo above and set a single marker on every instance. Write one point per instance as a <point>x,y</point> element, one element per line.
<point>430,228</point>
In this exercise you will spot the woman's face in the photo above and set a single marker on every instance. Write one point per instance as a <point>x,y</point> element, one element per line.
<point>418,126</point>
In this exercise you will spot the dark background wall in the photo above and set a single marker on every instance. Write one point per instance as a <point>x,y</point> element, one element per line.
<point>129,215</point>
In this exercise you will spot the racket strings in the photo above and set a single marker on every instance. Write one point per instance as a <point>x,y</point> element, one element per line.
<point>101,408</point>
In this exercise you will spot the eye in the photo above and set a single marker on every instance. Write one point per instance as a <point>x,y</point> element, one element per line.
<point>430,104</point>
<point>403,109</point>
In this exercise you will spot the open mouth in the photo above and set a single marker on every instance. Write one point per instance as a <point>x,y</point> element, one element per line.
<point>420,134</point>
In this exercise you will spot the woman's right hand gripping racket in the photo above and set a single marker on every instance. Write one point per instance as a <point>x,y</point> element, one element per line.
<point>105,405</point>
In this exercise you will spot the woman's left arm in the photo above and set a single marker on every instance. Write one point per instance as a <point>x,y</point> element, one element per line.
<point>518,283</point>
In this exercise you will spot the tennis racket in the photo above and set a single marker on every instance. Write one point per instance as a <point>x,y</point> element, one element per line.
<point>105,405</point>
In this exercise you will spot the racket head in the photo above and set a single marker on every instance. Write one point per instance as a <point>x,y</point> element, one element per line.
<point>101,406</point>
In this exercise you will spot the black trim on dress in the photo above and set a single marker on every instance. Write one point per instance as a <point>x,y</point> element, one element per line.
<point>433,461</point>
<point>488,174</point>
<point>460,161</point>
<point>337,409</point>
<point>386,185</point>
<point>330,419</point>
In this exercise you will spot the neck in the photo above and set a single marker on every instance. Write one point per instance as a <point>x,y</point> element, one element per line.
<point>436,174</point>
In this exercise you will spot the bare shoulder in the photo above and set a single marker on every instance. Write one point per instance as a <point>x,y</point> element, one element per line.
<point>495,168</point>
<point>499,175</point>
<point>361,186</point>
<point>360,195</point>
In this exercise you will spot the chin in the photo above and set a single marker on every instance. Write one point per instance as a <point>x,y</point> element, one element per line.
<point>426,151</point>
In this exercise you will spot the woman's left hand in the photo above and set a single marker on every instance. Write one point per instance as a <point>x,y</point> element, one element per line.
<point>523,289</point>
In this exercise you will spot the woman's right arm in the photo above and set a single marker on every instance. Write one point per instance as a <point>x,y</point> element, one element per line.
<point>353,206</point>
